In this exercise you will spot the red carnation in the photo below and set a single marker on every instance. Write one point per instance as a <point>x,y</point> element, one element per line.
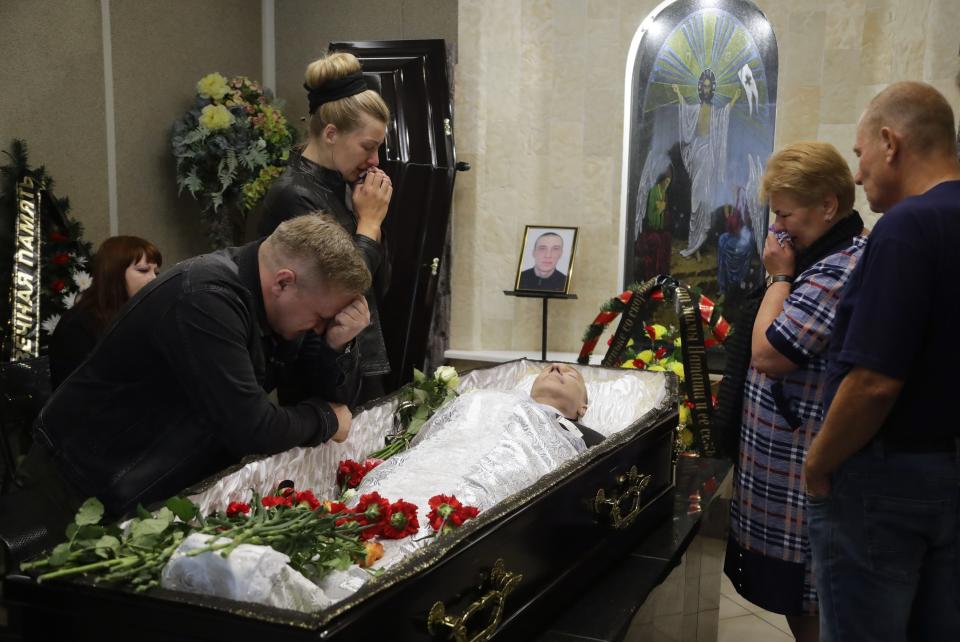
<point>61,259</point>
<point>237,508</point>
<point>626,296</point>
<point>338,508</point>
<point>657,295</point>
<point>307,499</point>
<point>709,343</point>
<point>651,332</point>
<point>448,513</point>
<point>372,510</point>
<point>402,521</point>
<point>371,463</point>
<point>272,501</point>
<point>660,353</point>
<point>639,364</point>
<point>350,474</point>
<point>58,285</point>
<point>58,237</point>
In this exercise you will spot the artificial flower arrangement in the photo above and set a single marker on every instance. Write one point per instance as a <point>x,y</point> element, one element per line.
<point>230,146</point>
<point>658,348</point>
<point>64,253</point>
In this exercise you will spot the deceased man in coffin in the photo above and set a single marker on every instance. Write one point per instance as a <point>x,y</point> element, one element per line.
<point>516,436</point>
<point>490,443</point>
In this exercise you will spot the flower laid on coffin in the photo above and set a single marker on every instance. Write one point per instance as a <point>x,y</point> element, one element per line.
<point>492,449</point>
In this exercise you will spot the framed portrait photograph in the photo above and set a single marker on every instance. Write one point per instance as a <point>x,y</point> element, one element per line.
<point>546,259</point>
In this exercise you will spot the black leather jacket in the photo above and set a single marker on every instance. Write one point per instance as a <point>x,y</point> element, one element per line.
<point>306,187</point>
<point>176,390</point>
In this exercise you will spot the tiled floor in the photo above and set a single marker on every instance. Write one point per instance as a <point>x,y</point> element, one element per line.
<point>741,621</point>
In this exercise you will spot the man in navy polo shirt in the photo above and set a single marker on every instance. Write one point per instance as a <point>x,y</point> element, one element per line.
<point>883,475</point>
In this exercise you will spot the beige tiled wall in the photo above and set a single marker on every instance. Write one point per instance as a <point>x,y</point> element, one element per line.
<point>539,107</point>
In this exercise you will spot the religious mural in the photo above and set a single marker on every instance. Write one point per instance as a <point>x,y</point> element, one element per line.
<point>702,100</point>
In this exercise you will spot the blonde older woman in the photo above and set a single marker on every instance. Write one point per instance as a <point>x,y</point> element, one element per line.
<point>810,252</point>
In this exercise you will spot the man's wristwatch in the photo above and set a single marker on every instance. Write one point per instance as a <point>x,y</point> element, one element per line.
<point>778,278</point>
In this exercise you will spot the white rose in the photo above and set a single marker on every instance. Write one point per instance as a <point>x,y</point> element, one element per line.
<point>447,375</point>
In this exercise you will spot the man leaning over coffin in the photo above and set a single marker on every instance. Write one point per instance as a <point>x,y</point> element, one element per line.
<point>177,388</point>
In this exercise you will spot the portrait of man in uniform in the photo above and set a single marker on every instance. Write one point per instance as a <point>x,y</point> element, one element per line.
<point>546,259</point>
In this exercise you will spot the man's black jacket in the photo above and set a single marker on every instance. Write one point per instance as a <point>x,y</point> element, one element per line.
<point>177,388</point>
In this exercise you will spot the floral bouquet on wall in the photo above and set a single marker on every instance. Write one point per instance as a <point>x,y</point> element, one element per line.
<point>230,146</point>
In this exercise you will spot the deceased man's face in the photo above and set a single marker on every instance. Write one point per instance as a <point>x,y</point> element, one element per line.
<point>561,385</point>
<point>546,254</point>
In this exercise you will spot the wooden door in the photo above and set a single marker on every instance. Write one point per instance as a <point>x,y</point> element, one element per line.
<point>419,156</point>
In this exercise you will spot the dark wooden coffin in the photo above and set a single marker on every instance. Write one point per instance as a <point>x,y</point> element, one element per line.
<point>503,575</point>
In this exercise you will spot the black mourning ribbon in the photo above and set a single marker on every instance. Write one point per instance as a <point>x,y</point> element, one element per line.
<point>335,90</point>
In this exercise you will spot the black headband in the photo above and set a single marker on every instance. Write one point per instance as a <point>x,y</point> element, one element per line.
<point>335,90</point>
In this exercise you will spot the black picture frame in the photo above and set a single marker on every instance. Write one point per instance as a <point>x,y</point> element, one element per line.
<point>557,281</point>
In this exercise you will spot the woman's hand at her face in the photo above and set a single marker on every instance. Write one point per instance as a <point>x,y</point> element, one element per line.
<point>779,259</point>
<point>371,198</point>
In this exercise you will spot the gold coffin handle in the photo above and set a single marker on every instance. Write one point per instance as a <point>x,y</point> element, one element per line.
<point>631,488</point>
<point>501,583</point>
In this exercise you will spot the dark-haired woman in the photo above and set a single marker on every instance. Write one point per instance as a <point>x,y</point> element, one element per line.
<point>121,267</point>
<point>348,123</point>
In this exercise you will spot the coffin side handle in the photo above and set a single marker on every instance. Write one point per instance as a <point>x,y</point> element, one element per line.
<point>501,582</point>
<point>629,494</point>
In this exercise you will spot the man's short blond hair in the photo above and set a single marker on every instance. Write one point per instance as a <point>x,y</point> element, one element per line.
<point>319,244</point>
<point>918,113</point>
<point>809,171</point>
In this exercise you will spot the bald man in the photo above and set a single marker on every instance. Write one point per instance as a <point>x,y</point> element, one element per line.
<point>883,475</point>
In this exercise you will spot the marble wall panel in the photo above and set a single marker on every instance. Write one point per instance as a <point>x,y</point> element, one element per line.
<point>806,33</point>
<point>843,25</point>
<point>940,60</point>
<point>838,96</point>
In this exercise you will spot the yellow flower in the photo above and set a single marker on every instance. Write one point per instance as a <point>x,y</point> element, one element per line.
<point>677,343</point>
<point>629,343</point>
<point>686,438</point>
<point>677,369</point>
<point>660,330</point>
<point>215,117</point>
<point>684,414</point>
<point>656,368</point>
<point>646,356</point>
<point>213,86</point>
<point>628,364</point>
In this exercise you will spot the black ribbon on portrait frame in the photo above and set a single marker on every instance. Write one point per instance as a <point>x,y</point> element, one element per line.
<point>335,89</point>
